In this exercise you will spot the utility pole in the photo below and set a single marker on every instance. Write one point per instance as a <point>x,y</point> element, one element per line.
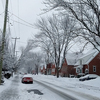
<point>3,38</point>
<point>16,53</point>
<point>15,45</point>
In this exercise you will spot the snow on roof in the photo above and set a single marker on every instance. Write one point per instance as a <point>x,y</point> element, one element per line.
<point>86,58</point>
<point>44,65</point>
<point>41,67</point>
<point>71,58</point>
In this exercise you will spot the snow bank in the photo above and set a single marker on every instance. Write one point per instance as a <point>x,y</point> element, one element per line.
<point>94,82</point>
<point>6,84</point>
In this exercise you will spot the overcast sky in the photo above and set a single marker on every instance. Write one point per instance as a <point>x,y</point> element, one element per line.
<point>27,10</point>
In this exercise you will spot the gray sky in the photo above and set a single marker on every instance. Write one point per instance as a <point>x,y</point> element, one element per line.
<point>27,10</point>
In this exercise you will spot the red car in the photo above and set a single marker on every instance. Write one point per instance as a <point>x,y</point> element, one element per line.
<point>27,79</point>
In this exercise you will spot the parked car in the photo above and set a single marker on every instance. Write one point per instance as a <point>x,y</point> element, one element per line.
<point>88,77</point>
<point>27,79</point>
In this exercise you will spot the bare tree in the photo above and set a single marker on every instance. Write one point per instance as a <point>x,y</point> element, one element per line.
<point>85,12</point>
<point>58,31</point>
<point>24,52</point>
<point>28,59</point>
<point>32,61</point>
<point>46,47</point>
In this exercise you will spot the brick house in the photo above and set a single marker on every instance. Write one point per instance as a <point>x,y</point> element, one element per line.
<point>68,68</point>
<point>48,69</point>
<point>53,69</point>
<point>33,71</point>
<point>77,64</point>
<point>43,70</point>
<point>89,63</point>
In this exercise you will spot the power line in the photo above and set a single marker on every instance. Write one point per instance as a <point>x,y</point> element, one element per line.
<point>22,19</point>
<point>12,16</point>
<point>21,23</point>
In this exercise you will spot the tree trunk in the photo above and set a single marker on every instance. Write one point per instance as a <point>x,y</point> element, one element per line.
<point>57,72</point>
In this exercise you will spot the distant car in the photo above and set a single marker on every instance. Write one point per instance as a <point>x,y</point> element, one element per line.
<point>27,79</point>
<point>88,77</point>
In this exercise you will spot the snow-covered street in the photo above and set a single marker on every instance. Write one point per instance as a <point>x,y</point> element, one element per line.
<point>46,87</point>
<point>15,90</point>
<point>49,49</point>
<point>87,90</point>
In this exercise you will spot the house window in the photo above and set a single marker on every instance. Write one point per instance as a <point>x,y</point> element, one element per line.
<point>94,68</point>
<point>77,70</point>
<point>80,70</point>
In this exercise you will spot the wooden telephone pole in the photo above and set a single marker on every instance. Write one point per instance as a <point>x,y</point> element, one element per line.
<point>3,39</point>
<point>15,45</point>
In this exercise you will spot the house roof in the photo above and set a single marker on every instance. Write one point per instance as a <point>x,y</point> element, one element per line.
<point>88,57</point>
<point>71,58</point>
<point>43,66</point>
